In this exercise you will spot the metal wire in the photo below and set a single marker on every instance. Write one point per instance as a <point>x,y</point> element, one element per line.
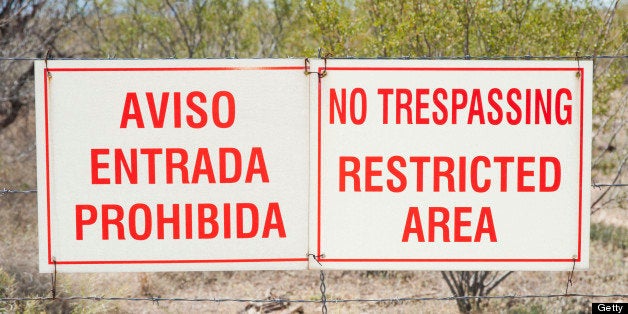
<point>4,191</point>
<point>323,288</point>
<point>523,57</point>
<point>237,300</point>
<point>599,185</point>
<point>10,191</point>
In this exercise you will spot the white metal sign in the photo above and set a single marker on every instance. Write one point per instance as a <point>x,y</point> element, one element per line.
<point>446,165</point>
<point>172,165</point>
<point>372,164</point>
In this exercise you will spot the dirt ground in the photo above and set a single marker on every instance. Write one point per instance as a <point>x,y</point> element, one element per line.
<point>606,275</point>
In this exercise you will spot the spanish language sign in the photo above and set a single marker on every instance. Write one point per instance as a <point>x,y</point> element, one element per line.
<point>451,165</point>
<point>163,165</point>
<point>172,165</point>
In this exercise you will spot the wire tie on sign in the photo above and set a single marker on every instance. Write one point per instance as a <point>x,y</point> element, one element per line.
<point>315,257</point>
<point>307,66</point>
<point>324,73</point>
<point>320,74</point>
<point>570,277</point>
<point>53,278</point>
<point>48,56</point>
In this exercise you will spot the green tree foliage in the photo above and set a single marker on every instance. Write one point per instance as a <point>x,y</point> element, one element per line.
<point>274,28</point>
<point>193,29</point>
<point>334,26</point>
<point>366,28</point>
<point>151,28</point>
<point>7,284</point>
<point>487,28</point>
<point>28,28</point>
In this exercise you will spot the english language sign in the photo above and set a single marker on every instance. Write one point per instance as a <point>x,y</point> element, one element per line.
<point>452,165</point>
<point>173,165</point>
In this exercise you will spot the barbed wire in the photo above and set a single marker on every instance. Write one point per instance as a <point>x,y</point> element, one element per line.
<point>10,191</point>
<point>522,57</point>
<point>5,191</point>
<point>599,185</point>
<point>281,300</point>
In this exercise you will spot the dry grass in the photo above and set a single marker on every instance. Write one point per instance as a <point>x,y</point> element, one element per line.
<point>607,275</point>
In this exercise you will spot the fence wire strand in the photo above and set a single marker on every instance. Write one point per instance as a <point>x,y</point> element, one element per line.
<point>355,300</point>
<point>523,57</point>
<point>5,191</point>
<point>11,191</point>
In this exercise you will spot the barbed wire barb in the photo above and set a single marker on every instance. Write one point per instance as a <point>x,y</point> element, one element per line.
<point>11,191</point>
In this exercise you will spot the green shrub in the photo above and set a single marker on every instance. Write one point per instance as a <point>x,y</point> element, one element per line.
<point>7,285</point>
<point>615,236</point>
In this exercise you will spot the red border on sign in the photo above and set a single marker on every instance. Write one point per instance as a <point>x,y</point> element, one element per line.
<point>320,254</point>
<point>52,260</point>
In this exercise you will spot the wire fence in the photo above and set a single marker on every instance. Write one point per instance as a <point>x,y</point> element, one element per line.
<point>468,57</point>
<point>323,300</point>
<point>379,300</point>
<point>5,191</point>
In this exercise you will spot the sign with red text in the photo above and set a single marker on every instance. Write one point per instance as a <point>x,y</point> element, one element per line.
<point>170,165</point>
<point>451,165</point>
